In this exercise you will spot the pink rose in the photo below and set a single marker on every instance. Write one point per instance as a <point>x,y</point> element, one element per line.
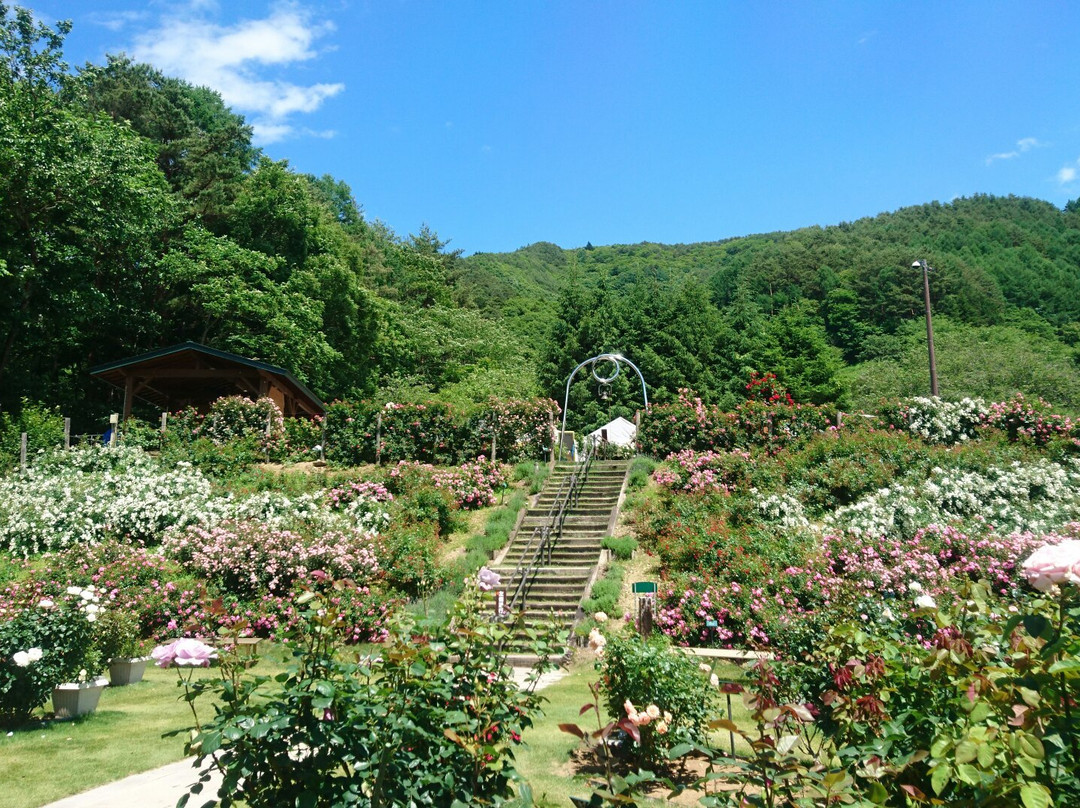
<point>488,579</point>
<point>186,652</point>
<point>1054,564</point>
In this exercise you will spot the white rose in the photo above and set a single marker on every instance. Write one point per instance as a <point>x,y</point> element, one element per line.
<point>925,602</point>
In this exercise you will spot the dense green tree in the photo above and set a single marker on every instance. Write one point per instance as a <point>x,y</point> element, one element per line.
<point>203,148</point>
<point>228,297</point>
<point>84,214</point>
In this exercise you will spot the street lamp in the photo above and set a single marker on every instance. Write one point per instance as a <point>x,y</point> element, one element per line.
<point>921,264</point>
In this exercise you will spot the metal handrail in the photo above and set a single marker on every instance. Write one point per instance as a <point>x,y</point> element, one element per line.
<point>548,533</point>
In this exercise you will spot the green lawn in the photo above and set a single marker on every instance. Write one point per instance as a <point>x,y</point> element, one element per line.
<point>49,760</point>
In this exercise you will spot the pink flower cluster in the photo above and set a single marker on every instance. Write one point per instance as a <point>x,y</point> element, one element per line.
<point>470,486</point>
<point>185,652</point>
<point>344,495</point>
<point>1033,420</point>
<point>250,558</point>
<point>698,472</point>
<point>936,557</point>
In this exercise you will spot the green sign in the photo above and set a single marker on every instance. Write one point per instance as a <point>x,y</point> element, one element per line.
<point>644,588</point>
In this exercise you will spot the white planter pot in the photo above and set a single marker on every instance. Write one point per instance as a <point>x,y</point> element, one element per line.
<point>126,671</point>
<point>72,700</point>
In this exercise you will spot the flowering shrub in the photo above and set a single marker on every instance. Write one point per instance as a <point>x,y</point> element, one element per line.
<point>473,485</point>
<point>248,559</point>
<point>432,432</point>
<point>687,423</point>
<point>90,494</point>
<point>522,429</point>
<point>233,418</point>
<point>470,486</point>
<point>674,694</point>
<point>43,645</point>
<point>937,421</point>
<point>784,612</point>
<point>424,723</point>
<point>1033,420</point>
<point>765,387</point>
<point>1037,496</point>
<point>684,424</point>
<point>937,558</point>
<point>838,466</point>
<point>696,472</point>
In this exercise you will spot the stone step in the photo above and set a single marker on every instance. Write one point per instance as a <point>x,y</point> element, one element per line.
<point>567,545</point>
<point>571,520</point>
<point>578,511</point>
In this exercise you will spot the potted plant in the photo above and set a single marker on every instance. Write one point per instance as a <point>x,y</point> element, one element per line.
<point>45,643</point>
<point>118,644</point>
<point>79,694</point>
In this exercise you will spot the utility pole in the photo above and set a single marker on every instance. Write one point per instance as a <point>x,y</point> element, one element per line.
<point>921,264</point>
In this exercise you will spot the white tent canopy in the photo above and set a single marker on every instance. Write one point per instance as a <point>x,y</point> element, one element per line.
<point>619,432</point>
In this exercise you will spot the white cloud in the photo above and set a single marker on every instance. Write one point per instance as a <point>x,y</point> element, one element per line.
<point>116,21</point>
<point>237,60</point>
<point>1023,145</point>
<point>1067,174</point>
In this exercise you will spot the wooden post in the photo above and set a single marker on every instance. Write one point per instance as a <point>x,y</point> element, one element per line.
<point>493,438</point>
<point>378,439</point>
<point>164,422</point>
<point>67,433</point>
<point>129,396</point>
<point>22,451</point>
<point>114,422</point>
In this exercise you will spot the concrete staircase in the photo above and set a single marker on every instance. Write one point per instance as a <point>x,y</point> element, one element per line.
<point>558,587</point>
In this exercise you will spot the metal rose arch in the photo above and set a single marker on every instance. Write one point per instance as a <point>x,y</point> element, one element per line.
<point>617,360</point>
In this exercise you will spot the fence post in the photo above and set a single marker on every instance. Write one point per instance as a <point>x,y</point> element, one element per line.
<point>493,438</point>
<point>22,452</point>
<point>114,422</point>
<point>164,423</point>
<point>378,439</point>
<point>67,433</point>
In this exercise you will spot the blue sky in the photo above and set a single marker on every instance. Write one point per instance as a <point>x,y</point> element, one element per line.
<point>500,124</point>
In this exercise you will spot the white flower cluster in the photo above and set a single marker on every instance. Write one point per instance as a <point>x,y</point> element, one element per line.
<point>948,422</point>
<point>782,509</point>
<point>75,497</point>
<point>1038,497</point>
<point>84,496</point>
<point>307,512</point>
<point>25,658</point>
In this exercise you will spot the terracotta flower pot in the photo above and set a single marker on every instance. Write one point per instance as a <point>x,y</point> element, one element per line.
<point>71,700</point>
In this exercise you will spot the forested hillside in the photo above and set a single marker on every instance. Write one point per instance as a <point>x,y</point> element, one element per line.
<point>837,312</point>
<point>137,213</point>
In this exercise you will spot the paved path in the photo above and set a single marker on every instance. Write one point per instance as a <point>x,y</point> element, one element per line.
<point>161,788</point>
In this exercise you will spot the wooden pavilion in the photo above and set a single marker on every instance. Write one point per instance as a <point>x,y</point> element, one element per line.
<point>190,374</point>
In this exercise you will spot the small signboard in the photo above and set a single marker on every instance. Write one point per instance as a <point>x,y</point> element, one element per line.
<point>644,588</point>
<point>500,603</point>
<point>711,624</point>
